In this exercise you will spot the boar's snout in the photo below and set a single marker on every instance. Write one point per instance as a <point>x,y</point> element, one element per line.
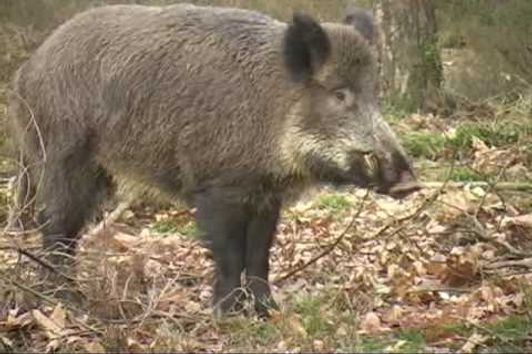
<point>396,177</point>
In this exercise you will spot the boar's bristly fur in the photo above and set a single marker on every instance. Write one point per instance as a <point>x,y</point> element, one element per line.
<point>228,109</point>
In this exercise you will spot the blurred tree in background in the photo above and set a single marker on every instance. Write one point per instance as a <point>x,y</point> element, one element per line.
<point>473,49</point>
<point>486,46</point>
<point>411,69</point>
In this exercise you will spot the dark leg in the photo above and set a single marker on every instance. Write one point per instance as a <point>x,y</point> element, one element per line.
<point>224,226</point>
<point>260,234</point>
<point>71,190</point>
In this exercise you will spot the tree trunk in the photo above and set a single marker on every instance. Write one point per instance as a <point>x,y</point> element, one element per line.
<point>409,57</point>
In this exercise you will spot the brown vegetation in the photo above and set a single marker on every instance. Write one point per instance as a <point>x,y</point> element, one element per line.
<point>448,269</point>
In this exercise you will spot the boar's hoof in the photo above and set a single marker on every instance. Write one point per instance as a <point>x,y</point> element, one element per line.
<point>263,307</point>
<point>230,304</point>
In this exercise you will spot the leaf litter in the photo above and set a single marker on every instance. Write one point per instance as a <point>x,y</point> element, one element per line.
<point>402,265</point>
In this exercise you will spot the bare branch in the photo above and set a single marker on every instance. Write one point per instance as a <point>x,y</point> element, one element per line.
<point>329,248</point>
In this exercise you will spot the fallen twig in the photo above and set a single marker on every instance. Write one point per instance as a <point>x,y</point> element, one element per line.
<point>109,219</point>
<point>501,244</point>
<point>513,186</point>
<point>428,201</point>
<point>329,248</point>
<point>44,263</point>
<point>28,289</point>
<point>525,263</point>
<point>491,188</point>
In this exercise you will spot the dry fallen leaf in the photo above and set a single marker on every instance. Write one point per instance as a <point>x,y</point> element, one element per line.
<point>94,347</point>
<point>6,342</point>
<point>53,345</point>
<point>521,220</point>
<point>461,268</point>
<point>473,342</point>
<point>393,315</point>
<point>282,346</point>
<point>293,324</point>
<point>13,322</point>
<point>398,273</point>
<point>371,323</point>
<point>134,347</point>
<point>58,316</point>
<point>318,345</point>
<point>52,329</point>
<point>396,347</point>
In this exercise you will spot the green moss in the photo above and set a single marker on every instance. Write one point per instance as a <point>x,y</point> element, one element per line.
<point>515,327</point>
<point>371,345</point>
<point>494,134</point>
<point>432,145</point>
<point>510,335</point>
<point>466,174</point>
<point>247,333</point>
<point>164,226</point>
<point>507,335</point>
<point>334,202</point>
<point>169,226</point>
<point>414,342</point>
<point>309,308</point>
<point>424,144</point>
<point>402,342</point>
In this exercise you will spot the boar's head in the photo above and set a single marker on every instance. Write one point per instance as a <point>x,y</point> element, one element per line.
<point>335,131</point>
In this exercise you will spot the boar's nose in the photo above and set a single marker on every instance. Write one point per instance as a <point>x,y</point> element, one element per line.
<point>396,177</point>
<point>406,185</point>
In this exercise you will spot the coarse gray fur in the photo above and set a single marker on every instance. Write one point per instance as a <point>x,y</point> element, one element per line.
<point>228,109</point>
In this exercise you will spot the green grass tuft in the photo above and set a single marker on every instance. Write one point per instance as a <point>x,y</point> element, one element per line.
<point>409,341</point>
<point>466,174</point>
<point>334,202</point>
<point>169,226</point>
<point>496,134</point>
<point>432,145</point>
<point>309,308</point>
<point>428,145</point>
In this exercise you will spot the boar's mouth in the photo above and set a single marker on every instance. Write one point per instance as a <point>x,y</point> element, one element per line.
<point>393,176</point>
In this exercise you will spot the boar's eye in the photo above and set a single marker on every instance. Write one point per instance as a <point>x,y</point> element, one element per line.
<point>340,95</point>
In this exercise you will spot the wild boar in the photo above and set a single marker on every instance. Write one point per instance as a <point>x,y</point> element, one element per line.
<point>227,109</point>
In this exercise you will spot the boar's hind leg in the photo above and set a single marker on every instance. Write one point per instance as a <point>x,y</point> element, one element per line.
<point>21,217</point>
<point>224,226</point>
<point>72,188</point>
<point>260,233</point>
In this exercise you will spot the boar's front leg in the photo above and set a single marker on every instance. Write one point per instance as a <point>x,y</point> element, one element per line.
<point>223,224</point>
<point>260,234</point>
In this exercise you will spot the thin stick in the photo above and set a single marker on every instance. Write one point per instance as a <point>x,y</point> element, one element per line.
<point>330,248</point>
<point>511,186</point>
<point>525,263</point>
<point>28,289</point>
<point>44,263</point>
<point>111,218</point>
<point>428,201</point>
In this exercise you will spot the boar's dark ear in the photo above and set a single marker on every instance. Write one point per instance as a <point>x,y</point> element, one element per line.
<point>362,20</point>
<point>306,47</point>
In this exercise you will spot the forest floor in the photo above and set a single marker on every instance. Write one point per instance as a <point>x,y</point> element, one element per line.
<point>449,269</point>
